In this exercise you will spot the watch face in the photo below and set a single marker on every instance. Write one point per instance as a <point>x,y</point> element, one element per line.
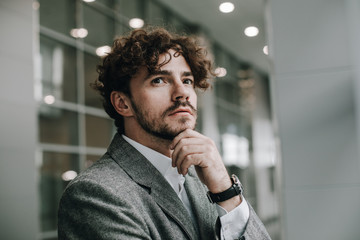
<point>236,182</point>
<point>235,179</point>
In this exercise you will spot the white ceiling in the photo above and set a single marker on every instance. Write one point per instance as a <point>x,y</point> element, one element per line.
<point>228,29</point>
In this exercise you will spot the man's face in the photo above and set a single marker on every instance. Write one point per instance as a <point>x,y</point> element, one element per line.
<point>164,103</point>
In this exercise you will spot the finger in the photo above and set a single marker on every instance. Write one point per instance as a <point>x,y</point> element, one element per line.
<point>187,150</point>
<point>183,148</point>
<point>190,159</point>
<point>188,133</point>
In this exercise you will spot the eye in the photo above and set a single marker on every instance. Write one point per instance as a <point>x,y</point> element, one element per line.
<point>188,81</point>
<point>158,80</point>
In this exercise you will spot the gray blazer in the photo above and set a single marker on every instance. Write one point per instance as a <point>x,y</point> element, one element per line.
<point>123,196</point>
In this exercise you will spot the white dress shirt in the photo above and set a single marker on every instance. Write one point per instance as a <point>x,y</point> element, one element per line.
<point>233,223</point>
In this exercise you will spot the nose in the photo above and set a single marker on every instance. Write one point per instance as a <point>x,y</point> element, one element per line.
<point>180,92</point>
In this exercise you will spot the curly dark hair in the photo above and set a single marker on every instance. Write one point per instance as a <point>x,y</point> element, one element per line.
<point>143,48</point>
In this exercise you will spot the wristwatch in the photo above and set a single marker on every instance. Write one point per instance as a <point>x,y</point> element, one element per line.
<point>234,190</point>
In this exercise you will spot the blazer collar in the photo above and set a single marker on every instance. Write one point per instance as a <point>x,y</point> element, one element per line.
<point>146,175</point>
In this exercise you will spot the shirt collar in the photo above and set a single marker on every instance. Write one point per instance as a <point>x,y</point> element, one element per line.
<point>162,163</point>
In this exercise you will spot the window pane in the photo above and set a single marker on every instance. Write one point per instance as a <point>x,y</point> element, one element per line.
<point>132,8</point>
<point>121,28</point>
<point>58,126</point>
<point>91,159</point>
<point>92,97</point>
<point>58,63</point>
<point>100,27</point>
<point>230,122</point>
<point>52,184</point>
<point>177,25</point>
<point>99,131</point>
<point>58,15</point>
<point>108,3</point>
<point>219,55</point>
<point>155,14</point>
<point>228,91</point>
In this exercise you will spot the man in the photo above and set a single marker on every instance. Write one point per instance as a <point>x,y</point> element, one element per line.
<point>150,183</point>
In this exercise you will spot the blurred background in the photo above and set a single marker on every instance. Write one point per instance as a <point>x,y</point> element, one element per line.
<point>284,110</point>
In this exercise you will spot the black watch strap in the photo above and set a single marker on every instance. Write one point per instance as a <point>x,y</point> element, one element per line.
<point>234,190</point>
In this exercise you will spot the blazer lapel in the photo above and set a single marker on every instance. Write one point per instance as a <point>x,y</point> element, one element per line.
<point>171,204</point>
<point>204,211</point>
<point>146,175</point>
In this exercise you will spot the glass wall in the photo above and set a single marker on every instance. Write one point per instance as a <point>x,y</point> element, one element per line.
<point>74,130</point>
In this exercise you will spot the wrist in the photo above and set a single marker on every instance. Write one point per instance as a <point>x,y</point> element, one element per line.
<point>220,186</point>
<point>230,197</point>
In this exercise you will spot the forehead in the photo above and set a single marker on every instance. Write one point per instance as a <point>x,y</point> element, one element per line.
<point>166,55</point>
<point>173,59</point>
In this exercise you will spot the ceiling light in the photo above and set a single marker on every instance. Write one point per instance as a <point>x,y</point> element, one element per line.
<point>226,7</point>
<point>102,51</point>
<point>79,32</point>
<point>88,1</point>
<point>69,175</point>
<point>266,50</point>
<point>49,99</point>
<point>136,23</point>
<point>220,72</point>
<point>251,31</point>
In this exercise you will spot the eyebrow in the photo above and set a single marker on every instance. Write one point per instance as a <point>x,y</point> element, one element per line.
<point>167,73</point>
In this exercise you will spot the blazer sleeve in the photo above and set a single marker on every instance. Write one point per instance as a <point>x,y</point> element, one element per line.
<point>254,230</point>
<point>88,210</point>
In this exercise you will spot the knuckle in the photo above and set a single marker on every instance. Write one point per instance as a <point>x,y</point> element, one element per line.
<point>184,148</point>
<point>182,141</point>
<point>188,157</point>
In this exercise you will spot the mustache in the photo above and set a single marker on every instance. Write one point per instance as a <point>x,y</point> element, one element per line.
<point>178,104</point>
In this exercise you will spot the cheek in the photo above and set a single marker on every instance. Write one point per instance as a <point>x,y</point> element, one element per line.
<point>193,100</point>
<point>149,98</point>
<point>155,103</point>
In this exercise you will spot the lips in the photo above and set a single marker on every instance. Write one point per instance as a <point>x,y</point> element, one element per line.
<point>181,110</point>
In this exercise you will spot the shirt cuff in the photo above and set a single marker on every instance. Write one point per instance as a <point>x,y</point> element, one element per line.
<point>233,223</point>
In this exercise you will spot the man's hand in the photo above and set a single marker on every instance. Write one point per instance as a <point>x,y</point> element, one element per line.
<point>193,148</point>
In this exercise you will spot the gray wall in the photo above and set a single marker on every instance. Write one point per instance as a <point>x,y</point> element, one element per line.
<point>315,86</point>
<point>18,205</point>
<point>315,93</point>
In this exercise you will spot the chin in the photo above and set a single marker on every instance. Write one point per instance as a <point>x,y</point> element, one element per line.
<point>186,122</point>
<point>184,127</point>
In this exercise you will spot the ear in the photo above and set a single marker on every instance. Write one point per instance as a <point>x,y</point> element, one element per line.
<point>121,103</point>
